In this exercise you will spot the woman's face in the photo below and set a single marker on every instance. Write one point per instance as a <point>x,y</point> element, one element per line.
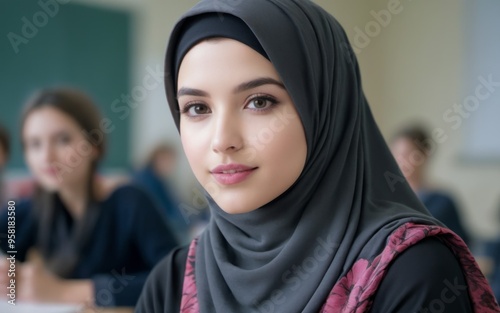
<point>409,158</point>
<point>56,150</point>
<point>239,128</point>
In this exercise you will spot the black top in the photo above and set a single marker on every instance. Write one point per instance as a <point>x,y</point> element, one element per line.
<point>130,237</point>
<point>429,267</point>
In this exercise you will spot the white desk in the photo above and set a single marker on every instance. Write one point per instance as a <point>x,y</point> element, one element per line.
<point>55,308</point>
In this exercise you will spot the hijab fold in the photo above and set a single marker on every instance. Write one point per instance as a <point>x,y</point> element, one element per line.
<point>341,208</point>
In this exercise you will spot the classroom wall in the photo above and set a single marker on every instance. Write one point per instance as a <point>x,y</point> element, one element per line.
<point>413,67</point>
<point>48,44</point>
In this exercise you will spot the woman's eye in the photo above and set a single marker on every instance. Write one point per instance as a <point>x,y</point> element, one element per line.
<point>261,103</point>
<point>33,144</point>
<point>196,109</point>
<point>63,140</point>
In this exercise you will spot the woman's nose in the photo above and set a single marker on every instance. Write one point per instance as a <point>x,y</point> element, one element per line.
<point>226,136</point>
<point>48,153</point>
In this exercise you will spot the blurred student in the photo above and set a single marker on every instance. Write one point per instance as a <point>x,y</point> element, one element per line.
<point>155,178</point>
<point>95,245</point>
<point>411,149</point>
<point>4,157</point>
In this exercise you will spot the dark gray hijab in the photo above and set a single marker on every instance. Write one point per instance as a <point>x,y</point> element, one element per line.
<point>287,255</point>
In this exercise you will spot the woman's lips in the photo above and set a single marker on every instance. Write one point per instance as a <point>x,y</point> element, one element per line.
<point>229,174</point>
<point>50,171</point>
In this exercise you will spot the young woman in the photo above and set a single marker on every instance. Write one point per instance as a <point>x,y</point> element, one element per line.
<point>94,244</point>
<point>268,101</point>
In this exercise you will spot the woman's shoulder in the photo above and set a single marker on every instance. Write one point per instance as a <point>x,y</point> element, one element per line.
<point>431,257</point>
<point>173,263</point>
<point>420,277</point>
<point>163,289</point>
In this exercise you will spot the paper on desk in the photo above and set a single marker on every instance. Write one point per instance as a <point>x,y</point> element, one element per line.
<point>37,308</point>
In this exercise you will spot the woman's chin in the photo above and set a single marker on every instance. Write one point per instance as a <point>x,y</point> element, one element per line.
<point>50,185</point>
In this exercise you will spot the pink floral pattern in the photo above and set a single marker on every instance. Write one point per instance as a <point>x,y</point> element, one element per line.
<point>349,296</point>
<point>354,292</point>
<point>189,301</point>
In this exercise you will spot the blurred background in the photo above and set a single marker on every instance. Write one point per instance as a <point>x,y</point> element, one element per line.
<point>420,61</point>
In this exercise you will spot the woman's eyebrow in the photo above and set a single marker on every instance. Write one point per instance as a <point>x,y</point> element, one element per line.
<point>185,91</point>
<point>61,132</point>
<point>256,83</point>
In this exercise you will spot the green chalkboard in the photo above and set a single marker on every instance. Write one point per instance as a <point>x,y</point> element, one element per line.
<point>49,43</point>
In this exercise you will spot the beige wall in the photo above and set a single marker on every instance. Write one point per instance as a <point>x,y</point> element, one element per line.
<point>412,69</point>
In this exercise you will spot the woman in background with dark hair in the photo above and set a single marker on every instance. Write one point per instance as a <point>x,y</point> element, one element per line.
<point>96,245</point>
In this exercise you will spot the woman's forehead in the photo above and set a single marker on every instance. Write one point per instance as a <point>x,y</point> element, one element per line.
<point>214,61</point>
